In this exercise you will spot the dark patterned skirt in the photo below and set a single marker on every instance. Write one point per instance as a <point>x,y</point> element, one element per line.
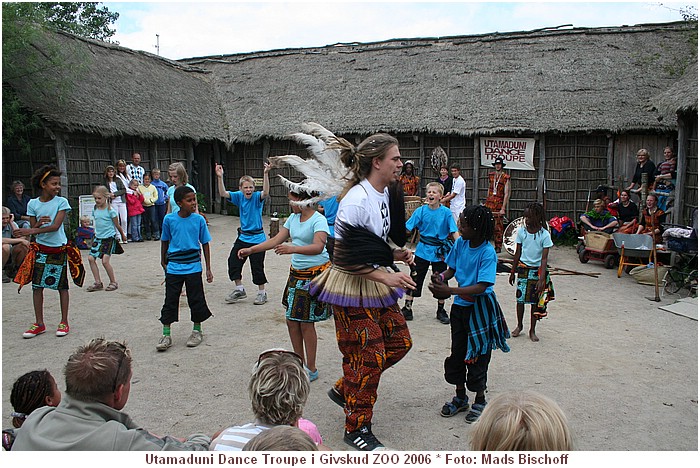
<point>299,304</point>
<point>102,247</point>
<point>526,290</point>
<point>50,271</point>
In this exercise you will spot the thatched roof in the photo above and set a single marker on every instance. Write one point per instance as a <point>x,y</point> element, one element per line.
<point>551,80</point>
<point>682,96</point>
<point>116,91</point>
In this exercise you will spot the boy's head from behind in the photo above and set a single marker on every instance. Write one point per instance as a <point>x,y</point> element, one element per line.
<point>522,421</point>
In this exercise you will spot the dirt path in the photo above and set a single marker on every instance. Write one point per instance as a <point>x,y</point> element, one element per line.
<point>623,370</point>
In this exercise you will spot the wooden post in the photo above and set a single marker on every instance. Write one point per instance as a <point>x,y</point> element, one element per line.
<point>421,163</point>
<point>475,176</point>
<point>609,158</point>
<point>62,164</point>
<point>681,169</point>
<point>541,173</point>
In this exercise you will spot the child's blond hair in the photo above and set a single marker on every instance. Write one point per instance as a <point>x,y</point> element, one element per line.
<point>181,172</point>
<point>85,219</point>
<point>246,178</point>
<point>103,192</point>
<point>281,438</point>
<point>523,421</point>
<point>436,185</point>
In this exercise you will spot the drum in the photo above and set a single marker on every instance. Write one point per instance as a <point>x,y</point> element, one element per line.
<point>411,204</point>
<point>511,231</point>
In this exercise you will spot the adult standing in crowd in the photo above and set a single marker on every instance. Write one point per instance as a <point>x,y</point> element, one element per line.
<point>17,203</point>
<point>117,190</point>
<point>135,170</point>
<point>89,416</point>
<point>456,197</point>
<point>409,180</point>
<point>497,199</point>
<point>161,203</point>
<point>644,166</point>
<point>446,180</point>
<point>371,331</point>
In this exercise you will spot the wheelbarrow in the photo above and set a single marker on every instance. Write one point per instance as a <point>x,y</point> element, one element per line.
<point>634,249</point>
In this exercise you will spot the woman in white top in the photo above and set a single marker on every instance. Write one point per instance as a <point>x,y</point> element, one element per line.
<point>117,189</point>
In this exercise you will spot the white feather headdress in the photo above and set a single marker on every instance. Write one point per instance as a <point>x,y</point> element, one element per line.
<point>324,172</point>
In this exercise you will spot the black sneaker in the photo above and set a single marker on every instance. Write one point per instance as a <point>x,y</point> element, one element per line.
<point>442,316</point>
<point>337,398</point>
<point>407,313</point>
<point>363,439</point>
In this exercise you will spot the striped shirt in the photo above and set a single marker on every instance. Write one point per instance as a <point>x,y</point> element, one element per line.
<point>235,437</point>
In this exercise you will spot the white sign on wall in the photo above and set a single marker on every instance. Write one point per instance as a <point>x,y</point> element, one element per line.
<point>86,204</point>
<point>517,153</point>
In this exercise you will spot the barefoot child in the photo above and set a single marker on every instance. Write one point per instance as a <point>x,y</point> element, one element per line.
<point>438,231</point>
<point>106,243</point>
<point>477,324</point>
<point>250,203</point>
<point>183,233</point>
<point>308,229</point>
<point>534,283</point>
<point>49,258</point>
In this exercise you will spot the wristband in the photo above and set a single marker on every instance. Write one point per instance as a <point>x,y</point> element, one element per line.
<point>442,277</point>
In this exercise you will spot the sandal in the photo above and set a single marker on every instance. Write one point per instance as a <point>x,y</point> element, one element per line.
<point>457,405</point>
<point>475,412</point>
<point>112,287</point>
<point>95,287</point>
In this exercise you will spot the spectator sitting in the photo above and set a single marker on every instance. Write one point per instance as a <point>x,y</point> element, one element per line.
<point>652,219</point>
<point>84,234</point>
<point>281,438</point>
<point>29,392</point>
<point>89,416</point>
<point>627,213</point>
<point>17,203</point>
<point>14,249</point>
<point>599,218</point>
<point>523,421</point>
<point>278,391</point>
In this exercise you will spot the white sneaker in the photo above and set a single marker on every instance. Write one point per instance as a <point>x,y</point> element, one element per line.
<point>261,298</point>
<point>236,296</point>
<point>195,339</point>
<point>164,343</point>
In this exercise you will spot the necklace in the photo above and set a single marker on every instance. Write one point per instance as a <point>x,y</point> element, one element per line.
<point>496,182</point>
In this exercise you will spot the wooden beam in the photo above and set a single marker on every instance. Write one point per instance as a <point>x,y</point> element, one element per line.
<point>681,171</point>
<point>475,174</point>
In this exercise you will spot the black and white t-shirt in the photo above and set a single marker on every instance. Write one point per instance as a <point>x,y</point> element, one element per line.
<point>364,206</point>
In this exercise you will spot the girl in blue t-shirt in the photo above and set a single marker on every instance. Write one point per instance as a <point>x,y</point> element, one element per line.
<point>308,230</point>
<point>105,244</point>
<point>534,283</point>
<point>50,257</point>
<point>477,324</point>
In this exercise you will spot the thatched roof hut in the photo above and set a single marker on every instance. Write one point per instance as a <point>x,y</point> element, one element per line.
<point>544,81</point>
<point>91,86</point>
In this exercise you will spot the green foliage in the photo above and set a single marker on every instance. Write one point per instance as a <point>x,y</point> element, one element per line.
<point>22,28</point>
<point>201,202</point>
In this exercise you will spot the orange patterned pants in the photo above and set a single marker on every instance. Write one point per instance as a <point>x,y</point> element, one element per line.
<point>370,340</point>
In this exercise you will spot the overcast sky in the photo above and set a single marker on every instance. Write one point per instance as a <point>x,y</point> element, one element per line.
<point>189,29</point>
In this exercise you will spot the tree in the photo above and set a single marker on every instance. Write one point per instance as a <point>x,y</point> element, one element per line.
<point>22,25</point>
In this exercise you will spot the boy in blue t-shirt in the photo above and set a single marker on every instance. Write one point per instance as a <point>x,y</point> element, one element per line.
<point>250,204</point>
<point>477,325</point>
<point>438,231</point>
<point>183,233</point>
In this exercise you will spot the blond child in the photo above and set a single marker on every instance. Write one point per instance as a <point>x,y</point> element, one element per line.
<point>106,243</point>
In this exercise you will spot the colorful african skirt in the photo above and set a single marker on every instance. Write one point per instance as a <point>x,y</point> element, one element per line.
<point>300,305</point>
<point>526,291</point>
<point>102,247</point>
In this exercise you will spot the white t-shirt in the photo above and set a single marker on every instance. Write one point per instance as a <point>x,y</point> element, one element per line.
<point>364,206</point>
<point>458,188</point>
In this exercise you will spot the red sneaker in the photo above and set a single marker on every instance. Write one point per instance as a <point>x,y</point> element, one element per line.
<point>34,330</point>
<point>63,329</point>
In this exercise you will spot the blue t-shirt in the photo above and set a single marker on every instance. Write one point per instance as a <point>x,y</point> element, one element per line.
<point>184,234</point>
<point>162,189</point>
<point>437,222</point>
<point>250,210</point>
<point>330,209</point>
<point>104,226</point>
<point>472,266</point>
<point>37,208</point>
<point>533,245</point>
<point>171,197</point>
<point>303,234</point>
